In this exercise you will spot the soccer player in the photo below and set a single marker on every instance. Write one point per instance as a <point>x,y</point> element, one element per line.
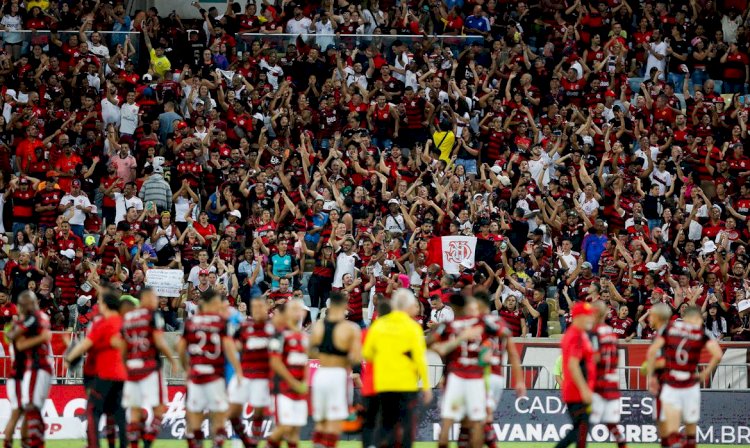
<point>206,342</point>
<point>336,343</point>
<point>659,317</point>
<point>501,344</point>
<point>13,382</point>
<point>605,402</point>
<point>143,332</point>
<point>31,338</point>
<point>104,345</point>
<point>578,373</point>
<point>682,342</point>
<point>289,367</point>
<point>253,336</point>
<point>465,396</point>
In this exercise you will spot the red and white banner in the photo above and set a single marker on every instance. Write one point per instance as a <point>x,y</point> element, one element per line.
<point>450,251</point>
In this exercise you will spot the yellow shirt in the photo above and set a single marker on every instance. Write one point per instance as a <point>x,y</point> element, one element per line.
<point>160,64</point>
<point>444,141</point>
<point>396,347</point>
<point>43,4</point>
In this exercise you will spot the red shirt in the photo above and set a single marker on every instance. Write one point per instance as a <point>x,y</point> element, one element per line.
<point>108,363</point>
<point>575,343</point>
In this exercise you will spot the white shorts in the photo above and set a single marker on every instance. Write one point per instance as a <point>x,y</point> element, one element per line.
<point>464,398</point>
<point>604,411</point>
<point>35,388</point>
<point>13,389</point>
<point>290,412</point>
<point>685,399</point>
<point>253,391</point>
<point>148,392</point>
<point>330,394</point>
<point>497,385</point>
<point>210,397</point>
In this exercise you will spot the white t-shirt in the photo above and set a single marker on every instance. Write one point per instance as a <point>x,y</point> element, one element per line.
<point>122,205</point>
<point>193,275</point>
<point>588,206</point>
<point>128,118</point>
<point>442,315</point>
<point>297,27</point>
<point>344,265</point>
<point>110,112</point>
<point>75,215</point>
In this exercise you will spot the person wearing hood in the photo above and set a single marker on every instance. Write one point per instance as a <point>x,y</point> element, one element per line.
<point>157,191</point>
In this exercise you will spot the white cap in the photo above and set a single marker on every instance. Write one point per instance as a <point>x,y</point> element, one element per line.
<point>709,247</point>
<point>258,116</point>
<point>497,169</point>
<point>505,180</point>
<point>587,140</point>
<point>83,299</point>
<point>393,201</point>
<point>11,93</point>
<point>468,264</point>
<point>147,77</point>
<point>236,213</point>
<point>68,253</point>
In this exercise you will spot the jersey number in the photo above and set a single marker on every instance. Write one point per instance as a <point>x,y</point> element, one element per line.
<point>681,355</point>
<point>200,346</point>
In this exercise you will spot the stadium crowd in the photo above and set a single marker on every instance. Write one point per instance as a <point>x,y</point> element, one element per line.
<point>598,146</point>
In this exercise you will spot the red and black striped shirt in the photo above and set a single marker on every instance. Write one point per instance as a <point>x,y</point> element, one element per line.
<point>291,347</point>
<point>204,334</point>
<point>604,342</point>
<point>138,328</point>
<point>255,337</point>
<point>683,343</point>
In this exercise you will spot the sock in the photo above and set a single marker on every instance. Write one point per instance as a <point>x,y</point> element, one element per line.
<point>110,431</point>
<point>443,445</point>
<point>615,431</point>
<point>463,437</point>
<point>291,444</point>
<point>134,434</point>
<point>34,429</point>
<point>490,438</point>
<point>333,439</point>
<point>256,427</point>
<point>272,443</point>
<point>690,441</point>
<point>674,440</point>
<point>317,439</point>
<point>8,443</point>
<point>191,442</point>
<point>220,437</point>
<point>152,432</point>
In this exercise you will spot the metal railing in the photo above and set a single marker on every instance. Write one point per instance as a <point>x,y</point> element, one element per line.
<point>725,377</point>
<point>42,38</point>
<point>280,42</point>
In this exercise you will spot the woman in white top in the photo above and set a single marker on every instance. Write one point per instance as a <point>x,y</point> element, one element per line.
<point>164,237</point>
<point>13,41</point>
<point>185,202</point>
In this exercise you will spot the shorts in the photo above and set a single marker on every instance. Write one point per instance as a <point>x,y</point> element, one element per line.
<point>253,391</point>
<point>35,388</point>
<point>330,394</point>
<point>148,392</point>
<point>497,385</point>
<point>210,396</point>
<point>604,411</point>
<point>290,412</point>
<point>686,399</point>
<point>13,389</point>
<point>464,398</point>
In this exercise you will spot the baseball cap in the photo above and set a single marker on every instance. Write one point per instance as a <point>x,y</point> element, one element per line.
<point>393,201</point>
<point>581,309</point>
<point>586,265</point>
<point>76,183</point>
<point>203,272</point>
<point>657,290</point>
<point>82,300</point>
<point>610,93</point>
<point>131,299</point>
<point>68,253</point>
<point>236,213</point>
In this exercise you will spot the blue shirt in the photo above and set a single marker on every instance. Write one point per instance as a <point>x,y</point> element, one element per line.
<point>234,321</point>
<point>281,266</point>
<point>478,23</point>
<point>594,245</point>
<point>319,220</point>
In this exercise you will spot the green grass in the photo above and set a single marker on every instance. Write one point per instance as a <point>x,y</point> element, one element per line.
<point>229,444</point>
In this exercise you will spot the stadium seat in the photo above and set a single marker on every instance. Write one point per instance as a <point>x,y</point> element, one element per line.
<point>717,86</point>
<point>635,84</point>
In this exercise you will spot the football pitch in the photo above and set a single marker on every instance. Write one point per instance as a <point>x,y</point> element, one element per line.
<point>350,444</point>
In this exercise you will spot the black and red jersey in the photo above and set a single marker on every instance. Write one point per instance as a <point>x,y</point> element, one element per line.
<point>255,338</point>
<point>142,356</point>
<point>604,342</point>
<point>512,320</point>
<point>204,334</point>
<point>40,356</point>
<point>683,343</point>
<point>464,361</point>
<point>291,348</point>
